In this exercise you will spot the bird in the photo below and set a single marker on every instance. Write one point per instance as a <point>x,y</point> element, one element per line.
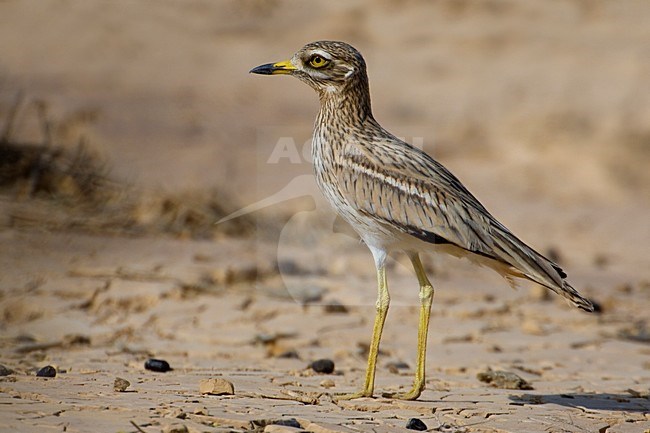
<point>398,198</point>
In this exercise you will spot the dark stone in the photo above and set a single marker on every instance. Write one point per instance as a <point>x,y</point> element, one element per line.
<point>158,365</point>
<point>290,354</point>
<point>335,307</point>
<point>259,424</point>
<point>4,371</point>
<point>416,424</point>
<point>291,422</point>
<point>325,366</point>
<point>47,371</point>
<point>395,366</point>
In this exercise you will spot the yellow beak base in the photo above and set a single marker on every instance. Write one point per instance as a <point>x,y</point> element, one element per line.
<point>279,68</point>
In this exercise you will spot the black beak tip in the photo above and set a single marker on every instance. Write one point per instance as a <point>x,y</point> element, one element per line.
<point>266,69</point>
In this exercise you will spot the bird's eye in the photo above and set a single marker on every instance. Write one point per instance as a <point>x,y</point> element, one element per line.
<point>317,61</point>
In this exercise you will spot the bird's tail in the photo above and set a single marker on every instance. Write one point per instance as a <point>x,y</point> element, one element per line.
<point>530,264</point>
<point>575,298</point>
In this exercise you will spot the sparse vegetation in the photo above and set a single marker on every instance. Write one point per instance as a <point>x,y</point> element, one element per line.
<point>60,183</point>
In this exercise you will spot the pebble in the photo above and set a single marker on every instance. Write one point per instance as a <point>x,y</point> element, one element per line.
<point>158,365</point>
<point>216,386</point>
<point>200,411</point>
<point>503,379</point>
<point>175,428</point>
<point>287,425</point>
<point>47,371</point>
<point>290,422</point>
<point>395,366</point>
<point>120,385</point>
<point>272,338</point>
<point>5,371</point>
<point>328,383</point>
<point>173,412</point>
<point>325,366</point>
<point>289,354</point>
<point>336,307</point>
<point>416,424</point>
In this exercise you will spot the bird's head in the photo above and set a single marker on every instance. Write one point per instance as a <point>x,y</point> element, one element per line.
<point>327,66</point>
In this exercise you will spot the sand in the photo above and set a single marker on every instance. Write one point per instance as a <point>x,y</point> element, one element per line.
<point>537,106</point>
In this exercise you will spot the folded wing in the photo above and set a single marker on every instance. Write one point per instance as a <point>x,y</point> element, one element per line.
<point>404,188</point>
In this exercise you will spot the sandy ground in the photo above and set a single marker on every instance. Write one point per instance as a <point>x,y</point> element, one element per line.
<point>97,308</point>
<point>537,106</point>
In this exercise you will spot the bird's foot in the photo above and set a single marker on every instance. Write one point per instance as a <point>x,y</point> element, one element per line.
<point>353,395</point>
<point>411,395</point>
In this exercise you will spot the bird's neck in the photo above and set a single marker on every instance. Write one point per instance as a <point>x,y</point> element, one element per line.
<point>349,105</point>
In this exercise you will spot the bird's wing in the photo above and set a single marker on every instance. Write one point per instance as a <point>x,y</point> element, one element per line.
<point>403,187</point>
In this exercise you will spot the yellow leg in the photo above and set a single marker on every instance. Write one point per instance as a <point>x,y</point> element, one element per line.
<point>383,301</point>
<point>426,299</point>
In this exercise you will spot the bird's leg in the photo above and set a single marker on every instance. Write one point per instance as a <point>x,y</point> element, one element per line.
<point>383,300</point>
<point>426,299</point>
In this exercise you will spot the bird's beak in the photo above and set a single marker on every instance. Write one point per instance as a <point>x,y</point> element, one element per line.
<point>285,67</point>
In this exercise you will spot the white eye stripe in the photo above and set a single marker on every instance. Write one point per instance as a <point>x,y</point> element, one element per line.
<point>321,53</point>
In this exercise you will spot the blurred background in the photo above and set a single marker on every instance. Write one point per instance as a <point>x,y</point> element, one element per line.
<point>141,117</point>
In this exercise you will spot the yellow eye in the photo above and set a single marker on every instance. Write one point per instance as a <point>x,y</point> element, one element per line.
<point>317,61</point>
